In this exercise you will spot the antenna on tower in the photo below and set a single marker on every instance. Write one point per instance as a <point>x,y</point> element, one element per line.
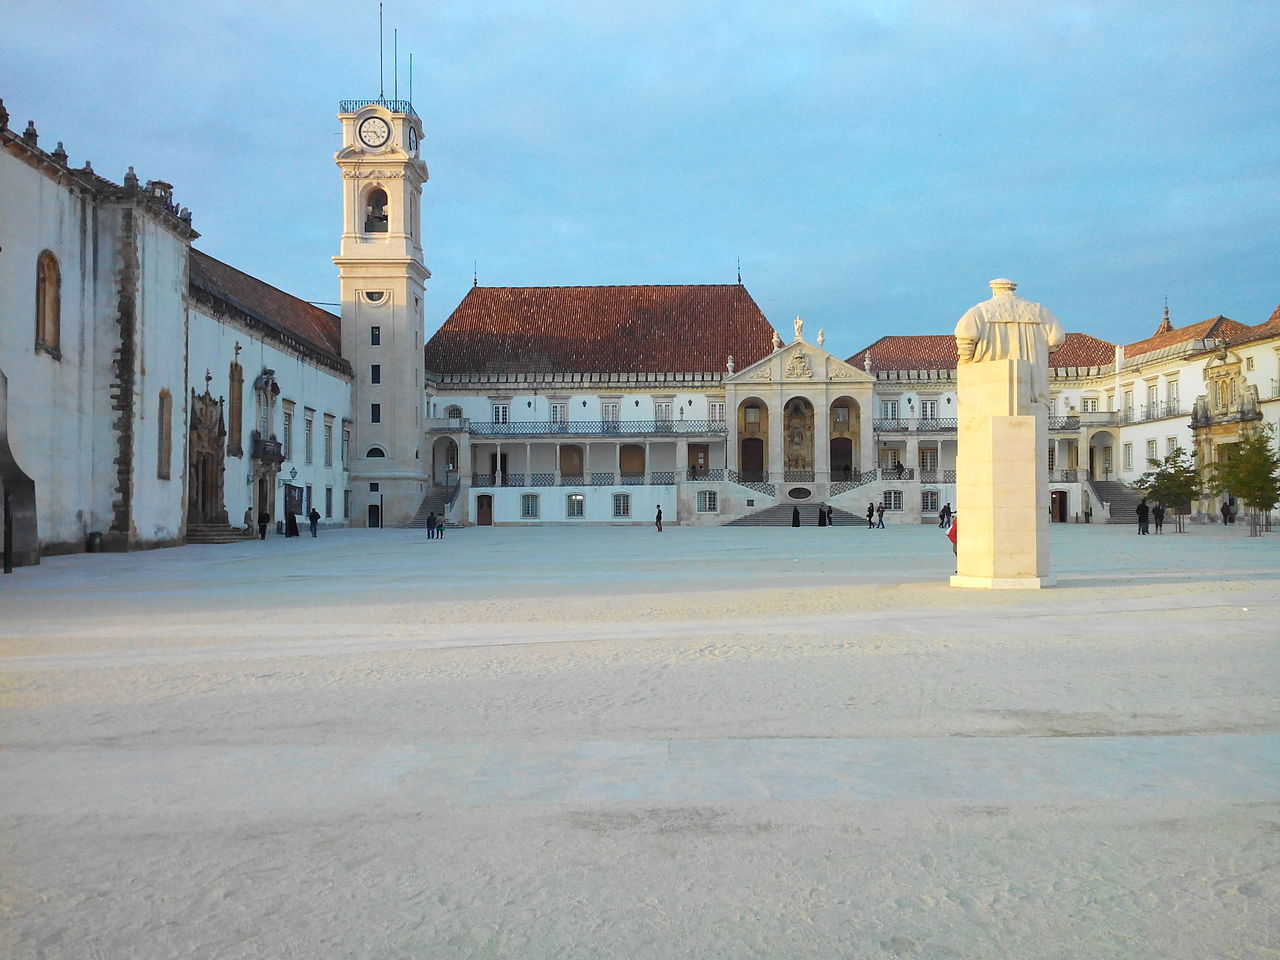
<point>395,64</point>
<point>475,273</point>
<point>382,80</point>
<point>411,78</point>
<point>739,271</point>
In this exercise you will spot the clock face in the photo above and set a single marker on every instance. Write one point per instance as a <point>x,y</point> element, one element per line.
<point>374,131</point>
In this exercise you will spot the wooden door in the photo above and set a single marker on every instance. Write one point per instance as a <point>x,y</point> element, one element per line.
<point>484,510</point>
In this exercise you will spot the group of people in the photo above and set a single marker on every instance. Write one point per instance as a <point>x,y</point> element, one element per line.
<point>290,522</point>
<point>435,526</point>
<point>824,516</point>
<point>1149,514</point>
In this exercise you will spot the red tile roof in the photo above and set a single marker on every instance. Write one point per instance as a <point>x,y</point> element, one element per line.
<point>1268,328</point>
<point>938,352</point>
<point>266,304</point>
<point>1217,328</point>
<point>653,329</point>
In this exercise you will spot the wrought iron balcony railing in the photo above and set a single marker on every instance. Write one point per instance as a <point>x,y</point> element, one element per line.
<point>597,428</point>
<point>267,449</point>
<point>395,106</point>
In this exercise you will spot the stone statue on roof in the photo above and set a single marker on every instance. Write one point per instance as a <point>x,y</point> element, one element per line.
<point>799,325</point>
<point>777,341</point>
<point>1007,327</point>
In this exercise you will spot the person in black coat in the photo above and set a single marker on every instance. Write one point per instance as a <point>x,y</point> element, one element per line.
<point>314,517</point>
<point>1157,514</point>
<point>795,516</point>
<point>871,515</point>
<point>822,515</point>
<point>1143,511</point>
<point>264,518</point>
<point>431,525</point>
<point>290,524</point>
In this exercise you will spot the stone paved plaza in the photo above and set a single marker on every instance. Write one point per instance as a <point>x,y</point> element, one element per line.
<point>604,742</point>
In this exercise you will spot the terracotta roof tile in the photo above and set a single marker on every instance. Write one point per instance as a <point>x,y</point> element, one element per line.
<point>938,352</point>
<point>1217,328</point>
<point>1268,328</point>
<point>657,329</point>
<point>266,303</point>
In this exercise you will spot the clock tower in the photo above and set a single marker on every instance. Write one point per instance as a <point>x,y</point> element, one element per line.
<point>382,277</point>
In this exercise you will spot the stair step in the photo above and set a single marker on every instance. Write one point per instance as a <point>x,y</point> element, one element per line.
<point>780,516</point>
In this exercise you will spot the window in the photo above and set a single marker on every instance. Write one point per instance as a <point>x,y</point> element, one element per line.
<point>373,487</point>
<point>48,305</point>
<point>328,502</point>
<point>1171,391</point>
<point>662,411</point>
<point>375,336</point>
<point>609,412</point>
<point>501,413</point>
<point>1128,456</point>
<point>1151,450</point>
<point>346,504</point>
<point>559,413</point>
<point>1153,398</point>
<point>573,505</point>
<point>840,415</point>
<point>1248,363</point>
<point>260,397</point>
<point>328,444</point>
<point>928,459</point>
<point>308,498</point>
<point>622,504</point>
<point>164,422</point>
<point>892,500</point>
<point>716,411</point>
<point>235,410</point>
<point>376,452</point>
<point>928,409</point>
<point>1170,445</point>
<point>308,434</point>
<point>375,373</point>
<point>453,413</point>
<point>1053,458</point>
<point>889,411</point>
<point>708,502</point>
<point>375,211</point>
<point>1128,404</point>
<point>375,413</point>
<point>346,448</point>
<point>929,501</point>
<point>1089,405</point>
<point>1107,462</point>
<point>286,440</point>
<point>529,506</point>
<point>751,417</point>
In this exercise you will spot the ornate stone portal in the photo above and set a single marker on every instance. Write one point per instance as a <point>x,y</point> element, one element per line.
<point>206,446</point>
<point>1002,462</point>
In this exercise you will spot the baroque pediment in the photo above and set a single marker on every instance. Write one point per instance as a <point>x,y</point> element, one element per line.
<point>800,362</point>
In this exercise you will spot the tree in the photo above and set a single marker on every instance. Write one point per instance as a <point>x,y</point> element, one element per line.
<point>1173,481</point>
<point>1251,473</point>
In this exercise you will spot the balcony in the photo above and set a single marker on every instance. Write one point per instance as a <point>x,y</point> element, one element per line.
<point>913,425</point>
<point>394,106</point>
<point>590,428</point>
<point>266,450</point>
<point>1154,411</point>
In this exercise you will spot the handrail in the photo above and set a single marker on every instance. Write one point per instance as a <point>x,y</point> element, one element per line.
<point>596,428</point>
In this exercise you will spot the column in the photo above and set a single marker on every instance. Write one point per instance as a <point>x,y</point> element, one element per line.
<point>774,463</point>
<point>866,436</point>
<point>556,464</point>
<point>528,464</point>
<point>682,459</point>
<point>648,467</point>
<point>822,440</point>
<point>497,465</point>
<point>912,456</point>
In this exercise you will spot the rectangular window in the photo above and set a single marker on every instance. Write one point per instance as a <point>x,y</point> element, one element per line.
<point>1153,398</point>
<point>328,502</point>
<point>1128,404</point>
<point>373,487</point>
<point>375,413</point>
<point>165,441</point>
<point>501,413</point>
<point>662,411</point>
<point>622,504</point>
<point>716,408</point>
<point>328,444</point>
<point>1248,363</point>
<point>375,336</point>
<point>529,506</point>
<point>929,409</point>
<point>707,501</point>
<point>751,416</point>
<point>1151,450</point>
<point>346,448</point>
<point>261,401</point>
<point>307,508</point>
<point>573,505</point>
<point>286,441</point>
<point>308,434</point>
<point>889,409</point>
<point>609,412</point>
<point>1128,456</point>
<point>1089,405</point>
<point>346,504</point>
<point>929,501</point>
<point>1053,458</point>
<point>1171,391</point>
<point>559,413</point>
<point>1107,462</point>
<point>375,373</point>
<point>840,415</point>
<point>892,500</point>
<point>1170,445</point>
<point>928,459</point>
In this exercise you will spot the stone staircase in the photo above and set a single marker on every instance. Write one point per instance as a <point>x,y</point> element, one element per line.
<point>218,533</point>
<point>436,501</point>
<point>780,516</point>
<point>1124,500</point>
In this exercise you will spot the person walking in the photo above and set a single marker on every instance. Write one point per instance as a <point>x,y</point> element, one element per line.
<point>871,515</point>
<point>264,518</point>
<point>822,514</point>
<point>657,520</point>
<point>290,524</point>
<point>944,516</point>
<point>314,517</point>
<point>795,516</point>
<point>440,527</point>
<point>880,516</point>
<point>431,525</point>
<point>1143,511</point>
<point>1157,514</point>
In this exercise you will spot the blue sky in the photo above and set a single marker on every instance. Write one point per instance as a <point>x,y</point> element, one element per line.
<point>873,164</point>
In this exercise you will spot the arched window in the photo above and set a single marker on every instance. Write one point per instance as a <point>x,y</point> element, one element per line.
<point>376,452</point>
<point>375,211</point>
<point>453,413</point>
<point>48,305</point>
<point>164,429</point>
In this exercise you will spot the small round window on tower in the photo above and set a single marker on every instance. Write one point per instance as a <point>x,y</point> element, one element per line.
<point>374,296</point>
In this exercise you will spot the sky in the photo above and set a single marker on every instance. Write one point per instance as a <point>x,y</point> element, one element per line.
<point>872,164</point>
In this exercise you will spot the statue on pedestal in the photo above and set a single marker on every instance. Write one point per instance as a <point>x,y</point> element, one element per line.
<point>1007,327</point>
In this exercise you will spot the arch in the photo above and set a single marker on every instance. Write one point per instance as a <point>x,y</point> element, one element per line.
<point>375,206</point>
<point>48,304</point>
<point>631,459</point>
<point>844,417</point>
<point>1103,448</point>
<point>571,460</point>
<point>753,433</point>
<point>376,452</point>
<point>17,491</point>
<point>444,456</point>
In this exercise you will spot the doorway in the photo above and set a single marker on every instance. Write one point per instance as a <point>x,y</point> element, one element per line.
<point>484,510</point>
<point>1058,506</point>
<point>375,515</point>
<point>752,458</point>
